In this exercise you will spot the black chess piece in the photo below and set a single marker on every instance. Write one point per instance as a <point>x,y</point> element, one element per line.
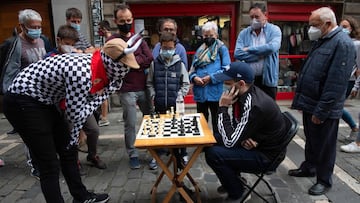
<point>181,128</point>
<point>194,121</point>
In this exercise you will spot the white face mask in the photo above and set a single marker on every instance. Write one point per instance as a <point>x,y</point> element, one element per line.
<point>67,48</point>
<point>314,33</point>
<point>255,24</point>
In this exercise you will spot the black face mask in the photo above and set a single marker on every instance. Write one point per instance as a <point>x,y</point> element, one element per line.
<point>209,41</point>
<point>125,28</point>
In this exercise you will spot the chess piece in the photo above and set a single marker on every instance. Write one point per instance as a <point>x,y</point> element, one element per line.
<point>182,130</point>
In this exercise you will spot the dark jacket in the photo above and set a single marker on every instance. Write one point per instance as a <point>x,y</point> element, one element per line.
<point>255,116</point>
<point>324,77</point>
<point>10,59</point>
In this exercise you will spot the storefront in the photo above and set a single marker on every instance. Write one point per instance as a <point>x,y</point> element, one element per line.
<point>292,18</point>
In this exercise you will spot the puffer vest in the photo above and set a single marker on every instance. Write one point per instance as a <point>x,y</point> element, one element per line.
<point>167,82</point>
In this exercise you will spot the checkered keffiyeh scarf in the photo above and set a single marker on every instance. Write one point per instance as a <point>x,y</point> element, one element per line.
<point>205,55</point>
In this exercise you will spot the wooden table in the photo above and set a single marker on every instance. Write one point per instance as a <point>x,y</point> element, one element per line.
<point>199,142</point>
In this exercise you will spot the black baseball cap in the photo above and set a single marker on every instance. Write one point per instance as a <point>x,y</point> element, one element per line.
<point>237,71</point>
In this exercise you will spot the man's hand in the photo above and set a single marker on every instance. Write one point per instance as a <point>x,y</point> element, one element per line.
<point>315,120</point>
<point>249,144</point>
<point>229,97</point>
<point>353,94</point>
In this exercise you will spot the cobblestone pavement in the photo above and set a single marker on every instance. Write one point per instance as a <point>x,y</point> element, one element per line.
<point>126,185</point>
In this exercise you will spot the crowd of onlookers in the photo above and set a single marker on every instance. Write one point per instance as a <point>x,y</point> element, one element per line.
<point>64,87</point>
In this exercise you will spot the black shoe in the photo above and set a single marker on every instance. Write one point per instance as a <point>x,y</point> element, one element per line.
<point>35,173</point>
<point>300,173</point>
<point>318,189</point>
<point>96,162</point>
<point>95,198</point>
<point>12,132</point>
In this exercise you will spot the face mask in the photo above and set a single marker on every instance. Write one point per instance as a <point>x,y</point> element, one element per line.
<point>33,33</point>
<point>125,28</point>
<point>346,31</point>
<point>209,41</point>
<point>167,54</point>
<point>76,26</point>
<point>314,33</point>
<point>67,48</point>
<point>101,33</point>
<point>255,24</point>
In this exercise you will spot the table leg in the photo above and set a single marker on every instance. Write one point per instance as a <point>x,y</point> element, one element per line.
<point>185,172</point>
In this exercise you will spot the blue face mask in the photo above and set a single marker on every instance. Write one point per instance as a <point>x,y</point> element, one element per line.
<point>33,33</point>
<point>167,54</point>
<point>76,26</point>
<point>346,31</point>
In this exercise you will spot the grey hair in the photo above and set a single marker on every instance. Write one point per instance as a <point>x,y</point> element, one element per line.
<point>210,26</point>
<point>326,14</point>
<point>28,14</point>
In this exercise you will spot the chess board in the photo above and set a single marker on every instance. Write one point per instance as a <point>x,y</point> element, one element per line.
<point>170,127</point>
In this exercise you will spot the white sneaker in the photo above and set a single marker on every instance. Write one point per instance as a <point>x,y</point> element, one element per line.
<point>350,148</point>
<point>185,159</point>
<point>104,123</point>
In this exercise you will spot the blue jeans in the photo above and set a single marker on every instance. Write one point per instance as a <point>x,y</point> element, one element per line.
<point>228,162</point>
<point>346,116</point>
<point>45,132</point>
<point>129,100</point>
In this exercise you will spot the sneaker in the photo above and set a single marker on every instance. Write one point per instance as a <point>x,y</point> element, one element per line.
<point>352,136</point>
<point>12,132</point>
<point>35,173</point>
<point>152,164</point>
<point>185,159</point>
<point>104,122</point>
<point>94,198</point>
<point>96,162</point>
<point>134,163</point>
<point>350,148</point>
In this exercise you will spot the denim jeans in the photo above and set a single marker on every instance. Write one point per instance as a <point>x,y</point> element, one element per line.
<point>46,133</point>
<point>346,116</point>
<point>129,100</point>
<point>228,162</point>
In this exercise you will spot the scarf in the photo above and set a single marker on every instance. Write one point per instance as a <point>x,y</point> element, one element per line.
<point>205,55</point>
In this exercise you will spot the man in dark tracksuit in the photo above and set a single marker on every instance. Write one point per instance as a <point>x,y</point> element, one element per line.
<point>320,94</point>
<point>254,137</point>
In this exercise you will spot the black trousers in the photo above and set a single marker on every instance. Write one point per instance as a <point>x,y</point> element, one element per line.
<point>320,148</point>
<point>203,107</point>
<point>47,135</point>
<point>271,91</point>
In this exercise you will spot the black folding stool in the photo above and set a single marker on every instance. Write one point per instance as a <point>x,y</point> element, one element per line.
<point>292,126</point>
